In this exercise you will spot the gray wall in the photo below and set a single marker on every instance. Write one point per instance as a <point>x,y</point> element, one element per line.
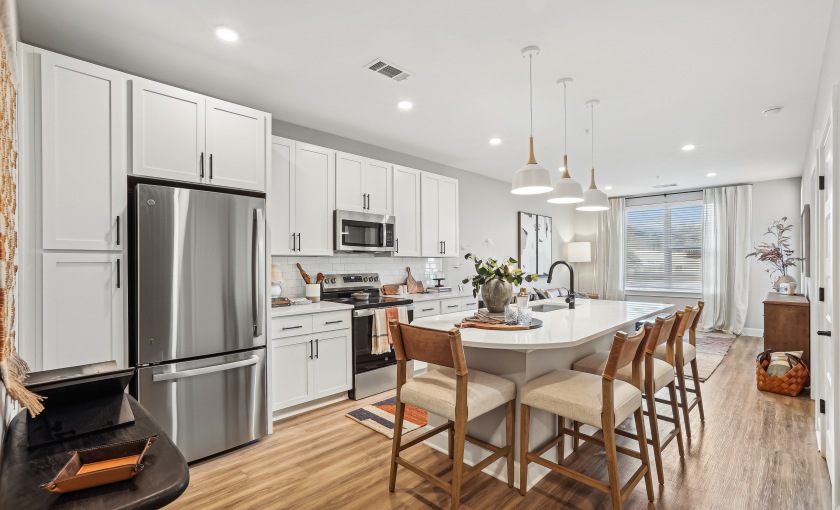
<point>488,210</point>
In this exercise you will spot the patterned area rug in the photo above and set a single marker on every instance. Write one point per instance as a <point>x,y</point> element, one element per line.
<point>711,349</point>
<point>380,417</point>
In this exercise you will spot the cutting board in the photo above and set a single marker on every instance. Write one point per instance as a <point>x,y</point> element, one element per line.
<point>414,287</point>
<point>535,323</point>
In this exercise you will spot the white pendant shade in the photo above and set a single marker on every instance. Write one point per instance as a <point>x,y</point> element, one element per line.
<point>567,190</point>
<point>594,200</point>
<point>531,179</point>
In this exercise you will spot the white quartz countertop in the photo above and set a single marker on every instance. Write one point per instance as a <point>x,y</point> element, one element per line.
<point>321,307</point>
<point>591,319</point>
<point>435,296</point>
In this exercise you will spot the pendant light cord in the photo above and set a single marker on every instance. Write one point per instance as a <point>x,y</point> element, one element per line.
<point>593,135</point>
<point>565,123</point>
<point>531,92</point>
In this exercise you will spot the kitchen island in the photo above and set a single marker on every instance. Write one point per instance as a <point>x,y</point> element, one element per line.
<point>565,337</point>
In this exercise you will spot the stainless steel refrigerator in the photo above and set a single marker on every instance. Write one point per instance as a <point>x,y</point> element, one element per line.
<point>198,315</point>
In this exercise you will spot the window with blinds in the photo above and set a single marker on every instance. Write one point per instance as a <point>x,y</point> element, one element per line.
<point>664,247</point>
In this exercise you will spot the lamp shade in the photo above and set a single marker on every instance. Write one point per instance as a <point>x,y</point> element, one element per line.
<point>594,200</point>
<point>579,252</point>
<point>566,191</point>
<point>531,179</point>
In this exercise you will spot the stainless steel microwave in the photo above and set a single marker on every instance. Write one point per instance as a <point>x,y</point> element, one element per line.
<point>364,232</point>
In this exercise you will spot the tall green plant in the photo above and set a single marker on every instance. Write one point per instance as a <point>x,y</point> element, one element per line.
<point>491,269</point>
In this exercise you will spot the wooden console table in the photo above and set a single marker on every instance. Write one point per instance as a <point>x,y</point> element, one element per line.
<point>787,325</point>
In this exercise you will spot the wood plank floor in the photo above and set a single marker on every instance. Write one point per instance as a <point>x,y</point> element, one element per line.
<point>755,450</point>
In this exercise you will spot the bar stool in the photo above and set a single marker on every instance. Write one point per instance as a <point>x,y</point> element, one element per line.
<point>657,374</point>
<point>600,401</point>
<point>455,393</point>
<point>684,354</point>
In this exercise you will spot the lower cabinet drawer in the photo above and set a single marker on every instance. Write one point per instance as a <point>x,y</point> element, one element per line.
<point>283,327</point>
<point>331,321</point>
<point>469,303</point>
<point>450,305</point>
<point>426,309</point>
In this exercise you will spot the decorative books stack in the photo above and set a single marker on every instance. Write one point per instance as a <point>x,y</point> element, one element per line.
<point>280,301</point>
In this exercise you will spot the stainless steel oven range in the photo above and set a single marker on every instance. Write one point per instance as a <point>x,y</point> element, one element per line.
<point>372,373</point>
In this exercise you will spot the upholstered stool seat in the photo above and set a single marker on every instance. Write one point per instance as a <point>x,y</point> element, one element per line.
<point>579,396</point>
<point>434,391</point>
<point>663,373</point>
<point>689,352</point>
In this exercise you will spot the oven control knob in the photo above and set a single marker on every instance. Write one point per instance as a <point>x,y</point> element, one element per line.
<point>332,280</point>
<point>376,278</point>
<point>365,279</point>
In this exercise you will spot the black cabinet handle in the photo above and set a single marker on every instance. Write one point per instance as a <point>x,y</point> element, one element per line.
<point>824,333</point>
<point>427,309</point>
<point>201,166</point>
<point>452,306</point>
<point>316,348</point>
<point>299,248</point>
<point>118,230</point>
<point>118,273</point>
<point>398,245</point>
<point>444,247</point>
<point>292,327</point>
<point>211,167</point>
<point>333,322</point>
<point>311,350</point>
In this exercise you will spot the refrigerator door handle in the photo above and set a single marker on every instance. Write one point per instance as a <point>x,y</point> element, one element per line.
<point>258,272</point>
<point>169,376</point>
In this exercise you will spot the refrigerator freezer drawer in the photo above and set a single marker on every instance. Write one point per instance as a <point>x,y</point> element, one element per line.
<point>208,405</point>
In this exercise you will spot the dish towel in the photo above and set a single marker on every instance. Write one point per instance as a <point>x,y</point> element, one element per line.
<point>379,332</point>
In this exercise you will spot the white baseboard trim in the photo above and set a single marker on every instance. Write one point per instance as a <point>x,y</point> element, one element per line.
<point>752,332</point>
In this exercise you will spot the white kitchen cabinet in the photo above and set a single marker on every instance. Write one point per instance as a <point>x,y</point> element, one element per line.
<point>167,132</point>
<point>82,316</point>
<point>438,215</point>
<point>332,370</point>
<point>302,194</point>
<point>82,124</point>
<point>181,135</point>
<point>426,308</point>
<point>469,303</point>
<point>406,197</point>
<point>450,305</point>
<point>291,380</point>
<point>235,146</point>
<point>362,184</point>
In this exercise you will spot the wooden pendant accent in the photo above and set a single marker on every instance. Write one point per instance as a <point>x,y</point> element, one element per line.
<point>532,160</point>
<point>592,182</point>
<point>566,167</point>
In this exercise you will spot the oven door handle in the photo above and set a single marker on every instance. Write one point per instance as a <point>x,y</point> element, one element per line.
<point>367,312</point>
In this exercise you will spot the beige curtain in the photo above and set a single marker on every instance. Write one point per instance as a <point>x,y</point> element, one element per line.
<point>609,252</point>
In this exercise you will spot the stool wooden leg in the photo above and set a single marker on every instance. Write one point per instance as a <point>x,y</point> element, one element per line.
<point>451,434</point>
<point>654,432</point>
<point>524,426</point>
<point>675,412</point>
<point>612,462</point>
<point>458,460</point>
<point>510,416</point>
<point>575,440</point>
<point>642,438</point>
<point>695,375</point>
<point>561,446</point>
<point>399,414</point>
<point>683,397</point>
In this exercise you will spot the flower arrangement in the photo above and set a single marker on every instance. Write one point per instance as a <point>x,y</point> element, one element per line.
<point>777,255</point>
<point>491,269</point>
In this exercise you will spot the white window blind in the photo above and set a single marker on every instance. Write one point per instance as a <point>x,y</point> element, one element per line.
<point>664,247</point>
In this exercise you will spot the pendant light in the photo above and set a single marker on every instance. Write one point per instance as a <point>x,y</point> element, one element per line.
<point>593,198</point>
<point>531,179</point>
<point>567,190</point>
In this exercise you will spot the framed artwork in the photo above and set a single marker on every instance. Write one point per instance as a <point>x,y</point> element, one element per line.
<point>535,243</point>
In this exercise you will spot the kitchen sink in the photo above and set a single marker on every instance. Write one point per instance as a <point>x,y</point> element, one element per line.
<point>548,308</point>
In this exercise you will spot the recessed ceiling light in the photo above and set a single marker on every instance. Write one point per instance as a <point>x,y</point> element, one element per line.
<point>773,110</point>
<point>495,141</point>
<point>227,34</point>
<point>405,105</point>
<point>688,147</point>
<point>607,187</point>
<point>711,174</point>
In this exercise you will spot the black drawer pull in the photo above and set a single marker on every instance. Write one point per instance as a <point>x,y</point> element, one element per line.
<point>292,327</point>
<point>452,306</point>
<point>333,322</point>
<point>427,309</point>
<point>824,333</point>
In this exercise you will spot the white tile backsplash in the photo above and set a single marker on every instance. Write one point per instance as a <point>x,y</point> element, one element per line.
<point>390,269</point>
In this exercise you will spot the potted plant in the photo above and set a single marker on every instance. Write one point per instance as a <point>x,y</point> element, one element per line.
<point>777,255</point>
<point>495,281</point>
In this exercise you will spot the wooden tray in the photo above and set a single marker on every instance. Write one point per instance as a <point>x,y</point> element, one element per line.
<point>535,323</point>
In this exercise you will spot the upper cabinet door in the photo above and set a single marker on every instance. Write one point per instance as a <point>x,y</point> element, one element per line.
<point>377,186</point>
<point>235,146</point>
<point>406,199</point>
<point>83,155</point>
<point>167,139</point>
<point>281,197</point>
<point>349,182</point>
<point>314,189</point>
<point>429,216</point>
<point>448,220</point>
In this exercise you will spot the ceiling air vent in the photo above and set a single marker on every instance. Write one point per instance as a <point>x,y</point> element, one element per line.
<point>665,186</point>
<point>388,69</point>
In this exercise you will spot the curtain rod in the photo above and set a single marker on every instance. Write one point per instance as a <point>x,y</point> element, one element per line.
<point>682,192</point>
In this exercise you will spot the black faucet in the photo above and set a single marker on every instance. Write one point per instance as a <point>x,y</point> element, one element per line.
<point>571,297</point>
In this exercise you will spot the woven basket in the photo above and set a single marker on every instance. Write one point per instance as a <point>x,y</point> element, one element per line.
<point>791,383</point>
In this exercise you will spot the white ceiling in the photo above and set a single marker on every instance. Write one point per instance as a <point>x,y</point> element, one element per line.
<point>667,72</point>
